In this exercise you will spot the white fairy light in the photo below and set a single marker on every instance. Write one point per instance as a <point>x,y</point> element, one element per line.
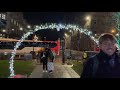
<point>46,26</point>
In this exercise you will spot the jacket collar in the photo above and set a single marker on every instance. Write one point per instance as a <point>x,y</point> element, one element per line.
<point>104,56</point>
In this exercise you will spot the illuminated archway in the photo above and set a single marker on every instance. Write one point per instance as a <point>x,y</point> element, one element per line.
<point>47,26</point>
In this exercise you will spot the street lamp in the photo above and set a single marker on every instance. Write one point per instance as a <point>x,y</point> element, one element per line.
<point>63,50</point>
<point>65,37</point>
<point>71,33</point>
<point>88,18</point>
<point>33,41</point>
<point>4,30</point>
<point>28,26</point>
<point>95,43</point>
<point>13,29</point>
<point>33,38</point>
<point>21,28</point>
<point>87,26</point>
<point>88,21</point>
<point>68,37</point>
<point>113,31</point>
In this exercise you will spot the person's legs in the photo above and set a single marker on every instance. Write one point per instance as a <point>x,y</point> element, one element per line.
<point>46,66</point>
<point>40,61</point>
<point>43,66</point>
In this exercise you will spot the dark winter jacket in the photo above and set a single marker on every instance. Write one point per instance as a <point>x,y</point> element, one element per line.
<point>44,57</point>
<point>104,68</point>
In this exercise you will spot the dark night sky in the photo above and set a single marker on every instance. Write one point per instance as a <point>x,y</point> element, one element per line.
<point>36,18</point>
<point>55,17</point>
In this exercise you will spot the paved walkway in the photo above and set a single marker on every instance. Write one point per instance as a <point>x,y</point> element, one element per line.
<point>60,71</point>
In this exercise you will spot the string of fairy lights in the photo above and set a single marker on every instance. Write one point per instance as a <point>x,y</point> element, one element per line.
<point>48,26</point>
<point>116,18</point>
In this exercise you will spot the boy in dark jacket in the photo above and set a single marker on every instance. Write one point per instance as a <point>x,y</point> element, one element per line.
<point>44,58</point>
<point>106,63</point>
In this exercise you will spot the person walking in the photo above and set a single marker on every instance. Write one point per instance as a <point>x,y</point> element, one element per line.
<point>44,58</point>
<point>51,58</point>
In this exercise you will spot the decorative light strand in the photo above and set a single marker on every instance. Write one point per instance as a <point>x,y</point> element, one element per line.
<point>47,26</point>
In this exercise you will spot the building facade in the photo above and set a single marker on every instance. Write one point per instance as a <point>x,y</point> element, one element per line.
<point>13,25</point>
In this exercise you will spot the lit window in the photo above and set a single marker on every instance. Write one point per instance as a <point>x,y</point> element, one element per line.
<point>21,28</point>
<point>3,16</point>
<point>13,29</point>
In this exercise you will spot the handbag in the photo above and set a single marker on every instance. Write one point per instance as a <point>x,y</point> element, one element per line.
<point>50,66</point>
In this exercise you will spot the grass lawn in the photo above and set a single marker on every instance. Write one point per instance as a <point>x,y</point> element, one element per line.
<point>77,66</point>
<point>20,67</point>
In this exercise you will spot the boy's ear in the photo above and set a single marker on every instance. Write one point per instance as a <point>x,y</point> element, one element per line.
<point>116,45</point>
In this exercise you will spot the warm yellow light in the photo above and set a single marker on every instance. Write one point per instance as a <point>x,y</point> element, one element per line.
<point>66,35</point>
<point>113,31</point>
<point>88,18</point>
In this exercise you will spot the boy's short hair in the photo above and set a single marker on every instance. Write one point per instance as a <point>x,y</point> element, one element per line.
<point>105,37</point>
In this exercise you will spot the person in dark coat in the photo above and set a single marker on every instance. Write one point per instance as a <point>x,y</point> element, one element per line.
<point>105,64</point>
<point>44,58</point>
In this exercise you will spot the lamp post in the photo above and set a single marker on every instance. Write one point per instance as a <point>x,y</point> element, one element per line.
<point>35,38</point>
<point>88,22</point>
<point>87,26</point>
<point>33,41</point>
<point>63,51</point>
<point>70,42</point>
<point>29,27</point>
<point>4,31</point>
<point>96,36</point>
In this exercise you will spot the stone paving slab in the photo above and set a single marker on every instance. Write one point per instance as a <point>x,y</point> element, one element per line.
<point>60,71</point>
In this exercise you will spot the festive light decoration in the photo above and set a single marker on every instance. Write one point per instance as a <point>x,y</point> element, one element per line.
<point>14,52</point>
<point>116,18</point>
<point>47,26</point>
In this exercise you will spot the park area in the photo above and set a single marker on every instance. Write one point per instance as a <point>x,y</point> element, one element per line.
<point>20,67</point>
<point>25,67</point>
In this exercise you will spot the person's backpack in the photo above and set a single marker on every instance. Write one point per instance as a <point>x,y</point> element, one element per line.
<point>95,65</point>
